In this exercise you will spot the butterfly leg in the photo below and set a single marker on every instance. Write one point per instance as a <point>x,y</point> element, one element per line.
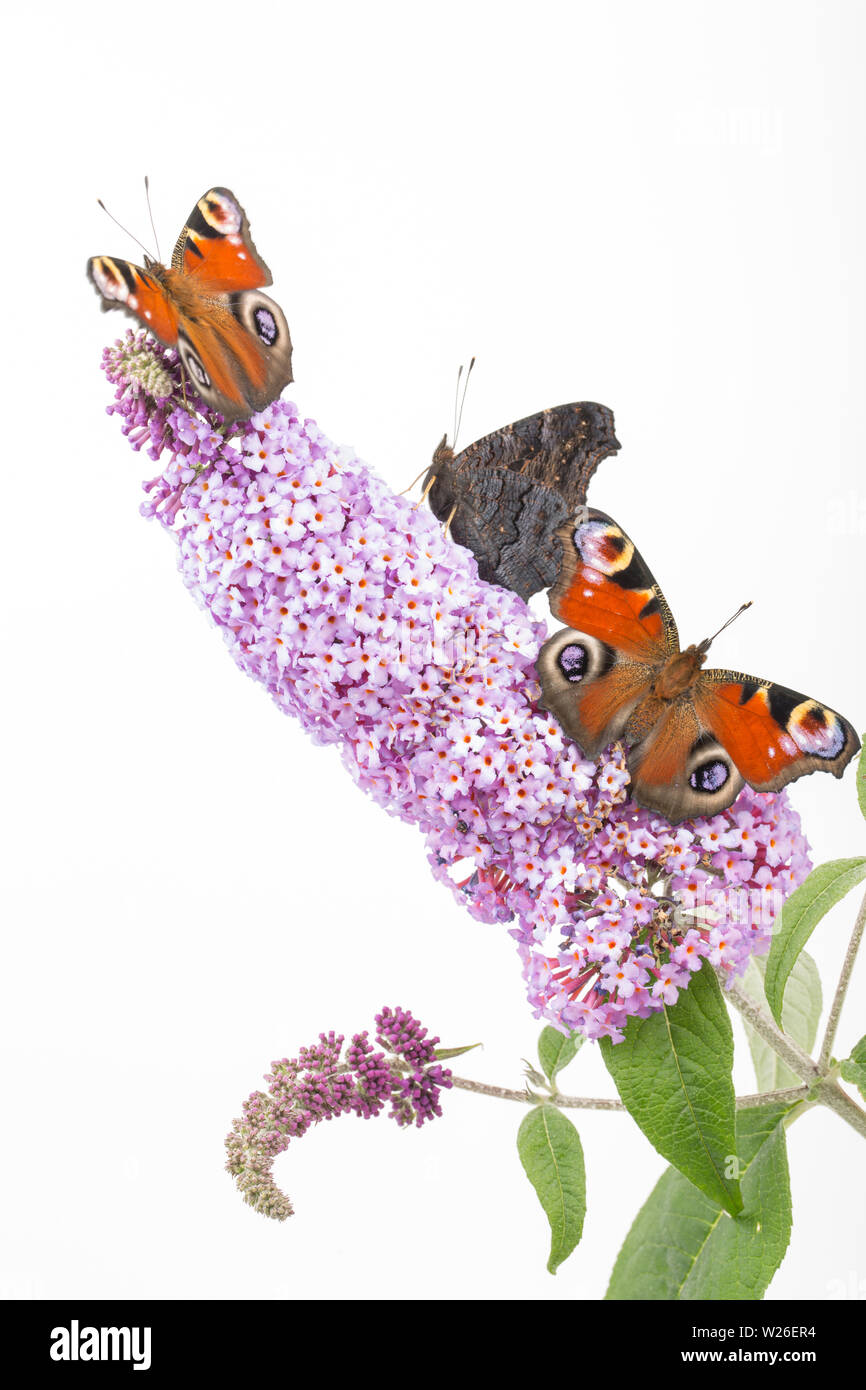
<point>450,519</point>
<point>413,482</point>
<point>423,498</point>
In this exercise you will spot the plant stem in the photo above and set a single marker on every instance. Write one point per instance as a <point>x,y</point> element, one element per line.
<point>822,1088</point>
<point>842,987</point>
<point>790,1052</point>
<point>567,1102</point>
<point>830,1094</point>
<point>790,1093</point>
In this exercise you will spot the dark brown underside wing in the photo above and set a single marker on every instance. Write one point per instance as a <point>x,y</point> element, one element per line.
<point>515,487</point>
<point>509,523</point>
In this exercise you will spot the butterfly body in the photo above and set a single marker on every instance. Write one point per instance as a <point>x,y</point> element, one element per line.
<point>696,736</point>
<point>233,341</point>
<point>508,493</point>
<point>678,674</point>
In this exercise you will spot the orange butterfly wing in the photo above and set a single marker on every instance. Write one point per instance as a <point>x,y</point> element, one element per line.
<point>591,689</point>
<point>215,247</point>
<point>772,733</point>
<point>677,766</point>
<point>596,673</point>
<point>122,285</point>
<point>605,588</point>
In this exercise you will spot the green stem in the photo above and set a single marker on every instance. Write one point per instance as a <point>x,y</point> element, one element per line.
<point>822,1088</point>
<point>791,1053</point>
<point>842,987</point>
<point>527,1098</point>
<point>828,1093</point>
<point>789,1093</point>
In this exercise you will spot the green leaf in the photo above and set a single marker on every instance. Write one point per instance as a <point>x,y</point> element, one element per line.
<point>551,1153</point>
<point>556,1050</point>
<point>443,1053</point>
<point>800,1014</point>
<point>673,1073</point>
<point>853,1069</point>
<point>684,1246</point>
<point>855,1072</point>
<point>861,777</point>
<point>801,914</point>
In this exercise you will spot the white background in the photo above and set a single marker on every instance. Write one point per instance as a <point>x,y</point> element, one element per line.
<point>655,206</point>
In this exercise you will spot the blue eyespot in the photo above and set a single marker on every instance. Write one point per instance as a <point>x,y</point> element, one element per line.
<point>573,661</point>
<point>710,777</point>
<point>266,325</point>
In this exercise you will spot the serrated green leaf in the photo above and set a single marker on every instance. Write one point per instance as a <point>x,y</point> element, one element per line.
<point>556,1050</point>
<point>861,777</point>
<point>801,1012</point>
<point>801,914</point>
<point>673,1074</point>
<point>684,1246</point>
<point>551,1153</point>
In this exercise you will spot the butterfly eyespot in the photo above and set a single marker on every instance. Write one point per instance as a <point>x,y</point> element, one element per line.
<point>710,776</point>
<point>266,325</point>
<point>603,547</point>
<point>816,730</point>
<point>220,212</point>
<point>112,280</point>
<point>262,317</point>
<point>194,367</point>
<point>573,661</point>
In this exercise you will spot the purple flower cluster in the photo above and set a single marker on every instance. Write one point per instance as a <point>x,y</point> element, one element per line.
<point>370,626</point>
<point>317,1085</point>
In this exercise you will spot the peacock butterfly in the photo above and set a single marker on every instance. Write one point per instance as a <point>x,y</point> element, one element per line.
<point>507,494</point>
<point>233,341</point>
<point>617,671</point>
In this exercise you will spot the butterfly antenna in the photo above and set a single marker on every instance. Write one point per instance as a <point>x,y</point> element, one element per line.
<point>456,395</point>
<point>458,418</point>
<point>705,645</point>
<point>124,229</point>
<point>150,215</point>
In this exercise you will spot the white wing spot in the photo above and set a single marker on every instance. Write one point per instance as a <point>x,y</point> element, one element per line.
<point>242,255</point>
<point>133,301</point>
<point>148,314</point>
<point>587,593</point>
<point>771,752</point>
